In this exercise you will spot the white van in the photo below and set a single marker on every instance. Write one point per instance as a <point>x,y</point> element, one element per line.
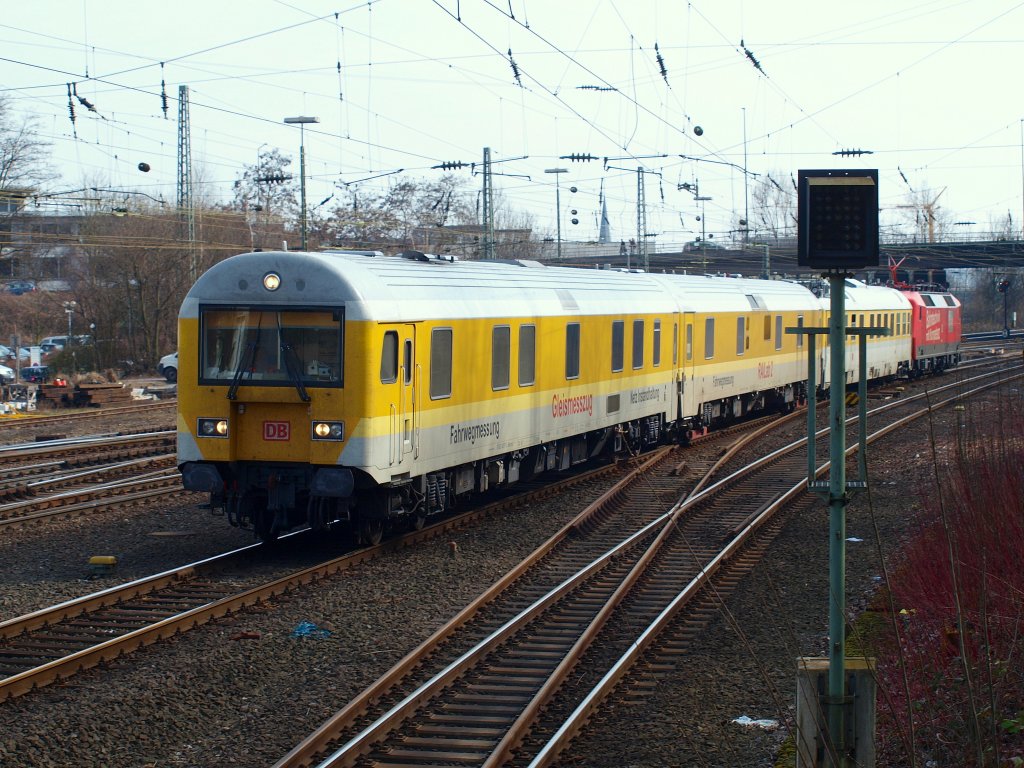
<point>168,366</point>
<point>54,341</point>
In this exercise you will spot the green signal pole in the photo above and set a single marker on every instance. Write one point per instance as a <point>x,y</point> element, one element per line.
<point>837,703</point>
<point>837,516</point>
<point>837,232</point>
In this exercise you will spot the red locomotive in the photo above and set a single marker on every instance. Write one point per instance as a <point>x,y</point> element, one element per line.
<point>935,326</point>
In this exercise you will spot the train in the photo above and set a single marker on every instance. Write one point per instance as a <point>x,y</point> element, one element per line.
<point>357,391</point>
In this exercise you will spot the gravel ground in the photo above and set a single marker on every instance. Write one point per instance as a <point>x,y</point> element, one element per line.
<point>244,690</point>
<point>747,662</point>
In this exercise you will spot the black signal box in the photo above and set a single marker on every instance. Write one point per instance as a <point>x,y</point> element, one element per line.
<point>837,219</point>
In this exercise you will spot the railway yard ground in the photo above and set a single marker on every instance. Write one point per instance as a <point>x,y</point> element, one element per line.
<point>243,690</point>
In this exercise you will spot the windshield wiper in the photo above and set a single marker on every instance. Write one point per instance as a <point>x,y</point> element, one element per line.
<point>291,363</point>
<point>244,364</point>
<point>247,362</point>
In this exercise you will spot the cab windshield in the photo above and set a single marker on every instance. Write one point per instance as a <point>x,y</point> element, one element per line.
<point>242,346</point>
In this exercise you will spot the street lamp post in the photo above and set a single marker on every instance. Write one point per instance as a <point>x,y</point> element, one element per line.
<point>301,122</point>
<point>69,308</point>
<point>558,207</point>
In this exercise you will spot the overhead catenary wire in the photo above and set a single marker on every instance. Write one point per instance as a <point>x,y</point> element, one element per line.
<point>386,145</point>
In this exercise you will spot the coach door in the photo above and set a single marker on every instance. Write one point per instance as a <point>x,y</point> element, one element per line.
<point>687,385</point>
<point>403,440</point>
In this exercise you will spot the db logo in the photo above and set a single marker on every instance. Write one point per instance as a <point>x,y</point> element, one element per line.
<point>276,430</point>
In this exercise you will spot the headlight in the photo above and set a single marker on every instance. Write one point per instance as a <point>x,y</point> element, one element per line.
<point>329,430</point>
<point>271,281</point>
<point>213,428</point>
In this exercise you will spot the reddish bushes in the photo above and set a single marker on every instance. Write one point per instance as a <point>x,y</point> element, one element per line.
<point>959,596</point>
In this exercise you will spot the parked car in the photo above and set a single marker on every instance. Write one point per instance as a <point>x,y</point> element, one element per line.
<point>168,367</point>
<point>6,353</point>
<point>39,374</point>
<point>18,287</point>
<point>24,353</point>
<point>6,375</point>
<point>59,342</point>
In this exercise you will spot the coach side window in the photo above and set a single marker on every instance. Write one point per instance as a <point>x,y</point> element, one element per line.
<point>527,355</point>
<point>572,351</point>
<point>799,336</point>
<point>618,344</point>
<point>709,338</point>
<point>778,331</point>
<point>657,344</point>
<point>638,344</point>
<point>389,359</point>
<point>741,334</point>
<point>501,356</point>
<point>440,363</point>
<point>689,341</point>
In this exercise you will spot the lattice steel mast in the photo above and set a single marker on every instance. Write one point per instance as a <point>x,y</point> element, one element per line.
<point>186,209</point>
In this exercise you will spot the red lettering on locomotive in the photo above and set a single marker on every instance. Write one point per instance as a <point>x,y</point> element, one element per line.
<point>276,430</point>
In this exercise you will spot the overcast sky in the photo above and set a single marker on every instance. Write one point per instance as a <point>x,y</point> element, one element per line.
<point>930,88</point>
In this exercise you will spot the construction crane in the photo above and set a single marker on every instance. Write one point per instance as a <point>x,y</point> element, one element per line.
<point>929,211</point>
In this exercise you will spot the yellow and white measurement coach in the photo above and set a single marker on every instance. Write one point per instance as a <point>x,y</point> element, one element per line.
<point>361,389</point>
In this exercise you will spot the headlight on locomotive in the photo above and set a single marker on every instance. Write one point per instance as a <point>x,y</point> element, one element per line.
<point>329,430</point>
<point>213,428</point>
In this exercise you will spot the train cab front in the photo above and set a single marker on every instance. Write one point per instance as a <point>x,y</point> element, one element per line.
<point>261,419</point>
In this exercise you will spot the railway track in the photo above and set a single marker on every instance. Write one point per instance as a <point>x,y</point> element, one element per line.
<point>85,451</point>
<point>82,657</point>
<point>503,682</point>
<point>84,415</point>
<point>55,643</point>
<point>73,477</point>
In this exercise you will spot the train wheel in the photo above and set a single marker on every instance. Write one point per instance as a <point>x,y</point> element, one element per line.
<point>371,532</point>
<point>263,524</point>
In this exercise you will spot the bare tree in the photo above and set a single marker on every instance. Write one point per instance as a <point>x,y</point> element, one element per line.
<point>24,157</point>
<point>135,271</point>
<point>410,214</point>
<point>929,219</point>
<point>773,208</point>
<point>266,193</point>
<point>1003,228</point>
<point>24,170</point>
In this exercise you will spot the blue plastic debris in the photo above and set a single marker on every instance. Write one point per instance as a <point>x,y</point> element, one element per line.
<point>309,629</point>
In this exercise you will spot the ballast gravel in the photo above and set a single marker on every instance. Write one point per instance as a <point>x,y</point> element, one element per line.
<point>242,691</point>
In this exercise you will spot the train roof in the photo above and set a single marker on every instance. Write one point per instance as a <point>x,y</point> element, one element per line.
<point>931,298</point>
<point>861,297</point>
<point>376,287</point>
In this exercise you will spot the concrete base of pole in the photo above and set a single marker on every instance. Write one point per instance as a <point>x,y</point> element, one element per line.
<point>814,748</point>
